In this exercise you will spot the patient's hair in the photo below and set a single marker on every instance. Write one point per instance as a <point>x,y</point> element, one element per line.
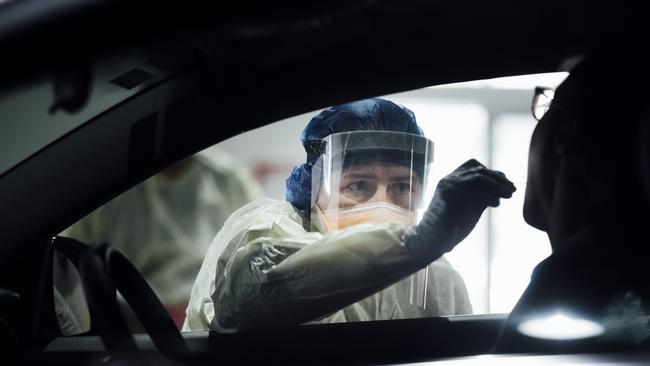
<point>607,98</point>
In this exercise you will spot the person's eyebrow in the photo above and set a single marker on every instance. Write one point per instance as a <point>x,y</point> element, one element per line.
<point>402,178</point>
<point>360,176</point>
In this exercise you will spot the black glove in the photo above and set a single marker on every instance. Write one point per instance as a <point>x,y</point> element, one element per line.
<point>458,203</point>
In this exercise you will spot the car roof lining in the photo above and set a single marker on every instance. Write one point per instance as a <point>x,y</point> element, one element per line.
<point>246,80</point>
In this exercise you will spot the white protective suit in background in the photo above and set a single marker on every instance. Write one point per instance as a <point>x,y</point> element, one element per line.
<point>164,226</point>
<point>264,268</point>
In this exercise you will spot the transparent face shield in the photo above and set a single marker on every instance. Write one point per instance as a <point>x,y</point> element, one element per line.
<point>371,177</point>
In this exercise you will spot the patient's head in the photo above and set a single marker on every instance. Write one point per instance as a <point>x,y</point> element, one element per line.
<point>583,160</point>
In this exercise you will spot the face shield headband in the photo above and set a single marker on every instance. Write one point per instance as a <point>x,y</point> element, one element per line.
<point>369,177</point>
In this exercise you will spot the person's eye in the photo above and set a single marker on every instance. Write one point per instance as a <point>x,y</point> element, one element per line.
<point>359,190</point>
<point>358,186</point>
<point>400,188</point>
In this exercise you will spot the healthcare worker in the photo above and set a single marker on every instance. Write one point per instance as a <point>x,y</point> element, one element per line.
<point>346,245</point>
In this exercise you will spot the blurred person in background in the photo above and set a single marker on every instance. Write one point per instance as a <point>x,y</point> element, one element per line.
<point>165,224</point>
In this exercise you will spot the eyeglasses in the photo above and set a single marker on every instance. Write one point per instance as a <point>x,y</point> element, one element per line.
<point>542,101</point>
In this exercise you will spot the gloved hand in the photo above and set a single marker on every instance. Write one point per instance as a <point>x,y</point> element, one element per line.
<point>459,200</point>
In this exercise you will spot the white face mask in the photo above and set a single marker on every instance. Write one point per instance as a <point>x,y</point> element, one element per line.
<point>368,213</point>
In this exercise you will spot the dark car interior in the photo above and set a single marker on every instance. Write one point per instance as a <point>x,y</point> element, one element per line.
<point>186,72</point>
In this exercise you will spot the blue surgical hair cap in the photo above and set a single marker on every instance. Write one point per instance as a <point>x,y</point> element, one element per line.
<point>374,114</point>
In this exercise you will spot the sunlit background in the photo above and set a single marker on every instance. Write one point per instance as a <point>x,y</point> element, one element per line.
<point>488,120</point>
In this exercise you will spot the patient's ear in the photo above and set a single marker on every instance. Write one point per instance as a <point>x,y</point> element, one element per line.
<point>565,137</point>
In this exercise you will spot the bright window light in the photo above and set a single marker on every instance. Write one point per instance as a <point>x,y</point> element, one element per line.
<point>518,247</point>
<point>526,82</point>
<point>458,133</point>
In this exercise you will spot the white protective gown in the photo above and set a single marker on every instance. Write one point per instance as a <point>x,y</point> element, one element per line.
<point>264,269</point>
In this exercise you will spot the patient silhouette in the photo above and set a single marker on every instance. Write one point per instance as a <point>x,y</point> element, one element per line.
<point>586,191</point>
